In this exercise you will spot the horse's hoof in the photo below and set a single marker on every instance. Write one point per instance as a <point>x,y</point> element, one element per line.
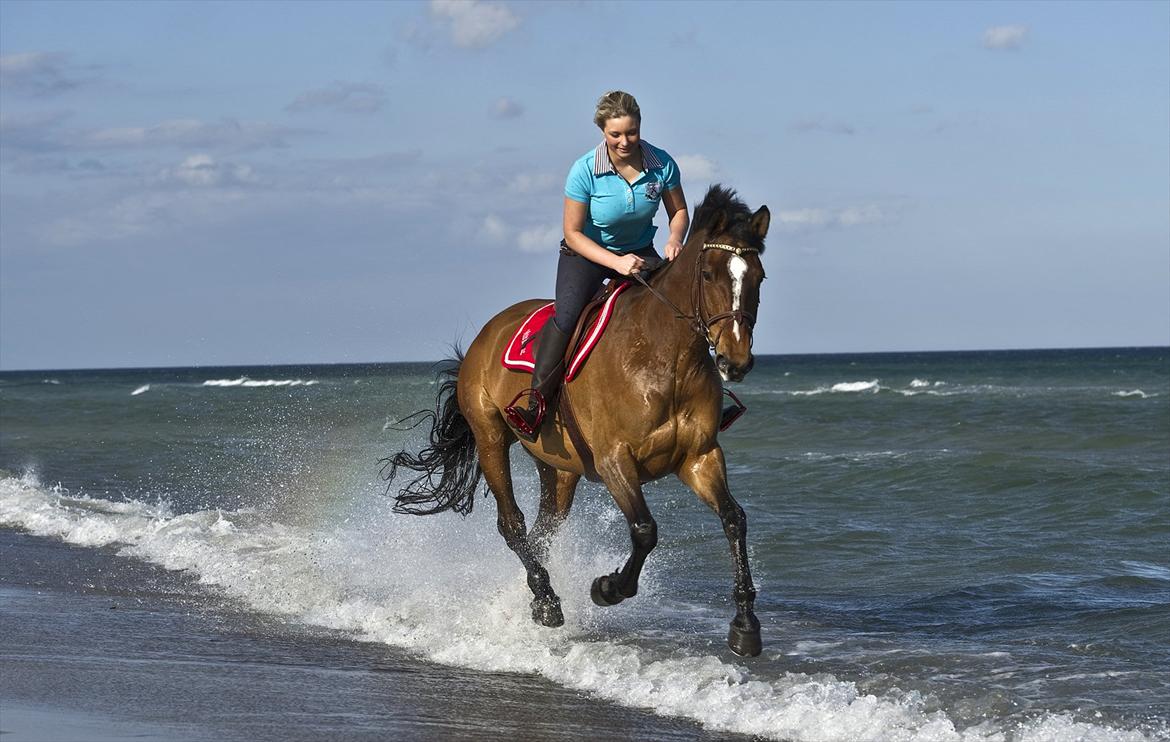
<point>603,592</point>
<point>745,642</point>
<point>547,612</point>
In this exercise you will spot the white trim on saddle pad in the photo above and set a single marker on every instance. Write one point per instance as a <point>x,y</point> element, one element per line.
<point>513,357</point>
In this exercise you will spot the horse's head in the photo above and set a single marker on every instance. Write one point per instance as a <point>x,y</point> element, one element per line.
<point>729,277</point>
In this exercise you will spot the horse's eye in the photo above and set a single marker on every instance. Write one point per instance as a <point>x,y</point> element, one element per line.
<point>708,276</point>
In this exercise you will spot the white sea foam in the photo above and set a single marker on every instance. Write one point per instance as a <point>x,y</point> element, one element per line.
<point>855,386</point>
<point>244,381</point>
<point>1134,393</point>
<point>361,575</point>
<point>844,387</point>
<point>140,390</point>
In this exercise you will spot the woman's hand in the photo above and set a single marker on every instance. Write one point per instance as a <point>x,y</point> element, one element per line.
<point>627,265</point>
<point>673,248</point>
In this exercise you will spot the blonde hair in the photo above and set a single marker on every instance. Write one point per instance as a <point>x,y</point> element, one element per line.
<point>614,105</point>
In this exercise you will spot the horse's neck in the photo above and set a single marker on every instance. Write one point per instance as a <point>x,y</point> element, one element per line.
<point>678,279</point>
<point>676,283</point>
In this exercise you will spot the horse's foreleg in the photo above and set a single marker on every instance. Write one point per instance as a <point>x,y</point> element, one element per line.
<point>556,498</point>
<point>546,606</point>
<point>706,474</point>
<point>621,478</point>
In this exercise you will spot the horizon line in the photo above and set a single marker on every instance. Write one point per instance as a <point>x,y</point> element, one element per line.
<point>440,360</point>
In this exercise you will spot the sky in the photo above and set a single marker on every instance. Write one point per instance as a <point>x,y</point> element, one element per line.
<point>238,183</point>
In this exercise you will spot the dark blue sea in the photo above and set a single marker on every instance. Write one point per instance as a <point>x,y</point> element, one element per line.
<point>947,546</point>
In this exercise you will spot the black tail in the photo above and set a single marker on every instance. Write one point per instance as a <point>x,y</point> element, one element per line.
<point>452,457</point>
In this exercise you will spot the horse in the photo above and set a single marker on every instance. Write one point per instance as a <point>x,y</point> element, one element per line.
<point>646,404</point>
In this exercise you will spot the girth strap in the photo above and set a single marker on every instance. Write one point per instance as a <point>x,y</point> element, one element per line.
<point>578,440</point>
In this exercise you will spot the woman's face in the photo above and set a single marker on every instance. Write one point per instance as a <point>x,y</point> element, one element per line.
<point>621,135</point>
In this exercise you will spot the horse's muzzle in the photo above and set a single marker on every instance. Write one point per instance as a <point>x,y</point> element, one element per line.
<point>729,371</point>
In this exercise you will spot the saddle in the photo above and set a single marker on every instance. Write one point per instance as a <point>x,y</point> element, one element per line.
<point>519,354</point>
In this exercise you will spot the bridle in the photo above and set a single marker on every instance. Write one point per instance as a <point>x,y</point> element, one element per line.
<point>698,319</point>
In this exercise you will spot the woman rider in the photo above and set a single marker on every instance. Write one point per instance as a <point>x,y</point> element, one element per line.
<point>611,196</point>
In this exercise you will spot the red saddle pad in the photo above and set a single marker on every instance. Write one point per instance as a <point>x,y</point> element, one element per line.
<point>518,352</point>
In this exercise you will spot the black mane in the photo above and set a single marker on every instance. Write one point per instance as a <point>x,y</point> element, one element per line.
<point>736,216</point>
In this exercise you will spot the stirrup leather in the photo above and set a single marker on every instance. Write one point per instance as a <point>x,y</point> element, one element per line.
<point>732,412</point>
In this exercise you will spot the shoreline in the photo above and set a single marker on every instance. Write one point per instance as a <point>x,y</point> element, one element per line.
<point>113,648</point>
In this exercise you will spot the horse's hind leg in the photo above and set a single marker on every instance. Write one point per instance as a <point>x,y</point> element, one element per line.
<point>557,489</point>
<point>706,474</point>
<point>620,475</point>
<point>493,459</point>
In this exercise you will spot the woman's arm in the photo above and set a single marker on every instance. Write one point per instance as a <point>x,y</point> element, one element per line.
<point>676,210</point>
<point>574,224</point>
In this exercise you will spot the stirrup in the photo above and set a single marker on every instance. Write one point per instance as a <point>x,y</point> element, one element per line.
<point>732,412</point>
<point>516,418</point>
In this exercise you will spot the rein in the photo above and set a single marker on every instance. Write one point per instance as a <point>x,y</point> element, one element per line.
<point>697,321</point>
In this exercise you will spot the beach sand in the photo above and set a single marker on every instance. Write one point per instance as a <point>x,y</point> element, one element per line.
<point>99,647</point>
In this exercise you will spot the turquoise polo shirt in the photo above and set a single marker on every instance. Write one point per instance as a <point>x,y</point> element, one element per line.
<point>621,214</point>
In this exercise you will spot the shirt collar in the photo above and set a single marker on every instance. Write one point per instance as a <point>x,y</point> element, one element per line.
<point>603,165</point>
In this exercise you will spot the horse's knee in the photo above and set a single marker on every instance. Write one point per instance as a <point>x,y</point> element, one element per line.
<point>513,531</point>
<point>734,522</point>
<point>645,534</point>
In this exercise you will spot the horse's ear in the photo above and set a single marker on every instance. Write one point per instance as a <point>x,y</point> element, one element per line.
<point>760,221</point>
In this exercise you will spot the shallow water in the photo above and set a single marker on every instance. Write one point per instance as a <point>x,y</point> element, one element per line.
<point>946,546</point>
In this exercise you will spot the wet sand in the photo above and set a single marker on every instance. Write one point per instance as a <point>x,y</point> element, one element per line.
<point>98,647</point>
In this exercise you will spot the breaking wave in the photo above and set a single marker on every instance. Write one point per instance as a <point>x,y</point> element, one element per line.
<point>244,381</point>
<point>322,576</point>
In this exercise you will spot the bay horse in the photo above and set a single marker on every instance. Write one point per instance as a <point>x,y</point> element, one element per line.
<point>648,403</point>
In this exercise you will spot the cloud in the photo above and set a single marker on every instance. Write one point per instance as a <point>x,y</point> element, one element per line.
<point>526,183</point>
<point>203,170</point>
<point>493,229</point>
<point>822,126</point>
<point>507,108</point>
<point>31,132</point>
<point>85,168</point>
<point>124,218</point>
<point>40,74</point>
<point>475,24</point>
<point>536,238</point>
<point>43,132</point>
<point>1004,37</point>
<point>697,168</point>
<point>344,172</point>
<point>229,134</point>
<point>341,96</point>
<point>825,218</point>
<point>542,238</point>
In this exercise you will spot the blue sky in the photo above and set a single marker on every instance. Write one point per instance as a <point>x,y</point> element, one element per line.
<point>238,183</point>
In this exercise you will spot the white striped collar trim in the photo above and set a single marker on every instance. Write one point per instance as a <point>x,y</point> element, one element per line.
<point>602,164</point>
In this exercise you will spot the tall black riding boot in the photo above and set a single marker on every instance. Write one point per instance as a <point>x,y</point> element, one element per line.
<point>546,383</point>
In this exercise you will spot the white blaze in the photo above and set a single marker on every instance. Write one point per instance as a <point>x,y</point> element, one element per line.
<point>738,267</point>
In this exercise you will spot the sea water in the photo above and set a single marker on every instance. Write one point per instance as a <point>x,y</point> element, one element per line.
<point>947,546</point>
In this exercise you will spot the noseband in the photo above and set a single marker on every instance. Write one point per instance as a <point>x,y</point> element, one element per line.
<point>700,323</point>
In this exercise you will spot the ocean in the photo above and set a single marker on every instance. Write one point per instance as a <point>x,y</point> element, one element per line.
<point>947,546</point>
